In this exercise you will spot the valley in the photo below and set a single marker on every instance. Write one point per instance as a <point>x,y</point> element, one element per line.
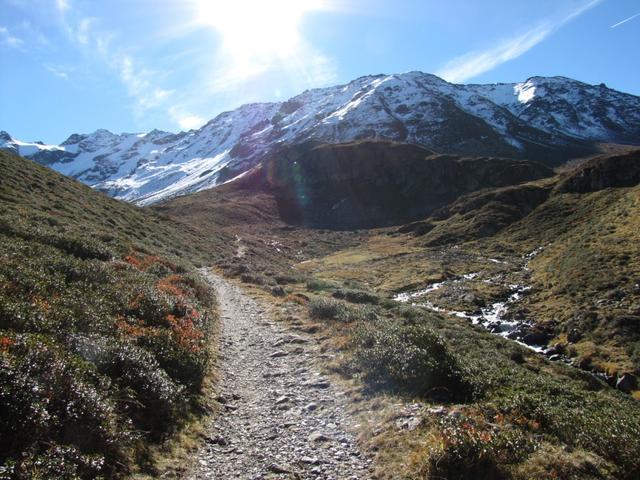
<point>530,287</point>
<point>396,278</point>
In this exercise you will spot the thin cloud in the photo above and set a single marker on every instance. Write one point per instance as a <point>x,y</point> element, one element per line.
<point>9,40</point>
<point>473,64</point>
<point>233,80</point>
<point>58,71</point>
<point>62,5</point>
<point>83,32</point>
<point>138,80</point>
<point>307,68</point>
<point>139,83</point>
<point>625,20</point>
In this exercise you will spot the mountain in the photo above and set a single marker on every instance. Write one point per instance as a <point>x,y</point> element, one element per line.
<point>356,185</point>
<point>545,119</point>
<point>375,183</point>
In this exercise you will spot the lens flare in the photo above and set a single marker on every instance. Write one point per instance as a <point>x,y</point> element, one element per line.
<point>254,28</point>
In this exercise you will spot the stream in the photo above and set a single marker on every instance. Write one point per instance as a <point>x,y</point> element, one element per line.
<point>494,317</point>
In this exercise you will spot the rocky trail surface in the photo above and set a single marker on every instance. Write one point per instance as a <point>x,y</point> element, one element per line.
<point>280,418</point>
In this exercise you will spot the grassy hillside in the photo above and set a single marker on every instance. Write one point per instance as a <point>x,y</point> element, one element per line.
<point>585,226</point>
<point>586,278</point>
<point>104,328</point>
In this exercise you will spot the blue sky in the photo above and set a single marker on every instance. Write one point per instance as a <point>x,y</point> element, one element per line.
<point>78,65</point>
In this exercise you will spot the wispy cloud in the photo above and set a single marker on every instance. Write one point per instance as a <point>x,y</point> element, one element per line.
<point>9,40</point>
<point>83,31</point>
<point>220,77</point>
<point>62,5</point>
<point>306,67</point>
<point>625,20</point>
<point>58,71</point>
<point>475,63</point>
<point>265,43</point>
<point>139,84</point>
<point>100,44</point>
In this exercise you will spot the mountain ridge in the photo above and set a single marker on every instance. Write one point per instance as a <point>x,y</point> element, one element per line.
<point>549,119</point>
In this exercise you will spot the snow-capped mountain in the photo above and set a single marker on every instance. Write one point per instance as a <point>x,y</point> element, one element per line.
<point>547,119</point>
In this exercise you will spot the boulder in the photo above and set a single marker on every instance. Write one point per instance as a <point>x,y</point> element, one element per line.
<point>627,383</point>
<point>574,336</point>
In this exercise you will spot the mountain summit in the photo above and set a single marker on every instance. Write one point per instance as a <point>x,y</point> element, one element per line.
<point>548,119</point>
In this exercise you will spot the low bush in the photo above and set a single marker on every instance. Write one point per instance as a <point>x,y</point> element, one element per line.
<point>103,335</point>
<point>328,309</point>
<point>470,449</point>
<point>86,363</point>
<point>288,279</point>
<point>138,375</point>
<point>252,278</point>
<point>57,417</point>
<point>408,358</point>
<point>357,296</point>
<point>316,285</point>
<point>589,421</point>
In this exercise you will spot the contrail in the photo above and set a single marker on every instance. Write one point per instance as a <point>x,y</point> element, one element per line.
<point>625,20</point>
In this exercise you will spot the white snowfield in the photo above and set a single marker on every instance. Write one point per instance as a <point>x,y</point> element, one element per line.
<point>415,107</point>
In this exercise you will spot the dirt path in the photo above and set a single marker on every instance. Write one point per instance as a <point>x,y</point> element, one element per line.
<point>280,417</point>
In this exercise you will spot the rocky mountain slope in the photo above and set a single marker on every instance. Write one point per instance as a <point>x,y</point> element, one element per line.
<point>378,183</point>
<point>364,184</point>
<point>544,119</point>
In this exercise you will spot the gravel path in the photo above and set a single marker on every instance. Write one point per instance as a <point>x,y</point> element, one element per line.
<point>280,417</point>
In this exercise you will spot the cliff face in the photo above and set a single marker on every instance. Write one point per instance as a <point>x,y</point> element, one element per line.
<point>604,172</point>
<point>373,183</point>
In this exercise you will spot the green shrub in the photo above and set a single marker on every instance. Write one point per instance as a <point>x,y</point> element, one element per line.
<point>148,304</point>
<point>253,278</point>
<point>587,420</point>
<point>409,358</point>
<point>328,309</point>
<point>136,371</point>
<point>471,451</point>
<point>357,296</point>
<point>80,246</point>
<point>103,338</point>
<point>55,462</point>
<point>315,285</point>
<point>70,324</point>
<point>288,279</point>
<point>183,365</point>
<point>54,408</point>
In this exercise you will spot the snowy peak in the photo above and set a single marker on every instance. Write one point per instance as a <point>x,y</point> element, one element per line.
<point>549,119</point>
<point>5,137</point>
<point>560,105</point>
<point>25,149</point>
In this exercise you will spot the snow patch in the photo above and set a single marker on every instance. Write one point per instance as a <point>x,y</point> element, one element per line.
<point>525,92</point>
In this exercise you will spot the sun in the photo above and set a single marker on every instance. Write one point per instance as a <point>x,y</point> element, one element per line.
<point>250,29</point>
